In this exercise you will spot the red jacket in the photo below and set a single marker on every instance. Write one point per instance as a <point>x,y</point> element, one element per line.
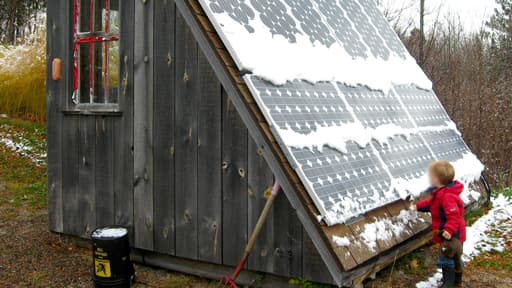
<point>447,209</point>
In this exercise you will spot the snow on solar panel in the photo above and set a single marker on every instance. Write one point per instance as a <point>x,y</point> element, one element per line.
<point>285,40</point>
<point>354,114</point>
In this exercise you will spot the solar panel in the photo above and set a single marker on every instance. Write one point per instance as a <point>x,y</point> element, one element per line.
<point>348,180</point>
<point>374,108</point>
<point>347,184</point>
<point>405,158</point>
<point>423,105</point>
<point>343,184</point>
<point>446,144</point>
<point>302,106</point>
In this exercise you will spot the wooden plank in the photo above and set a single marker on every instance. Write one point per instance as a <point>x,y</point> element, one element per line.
<point>205,23</point>
<point>215,40</point>
<point>123,126</point>
<point>308,221</point>
<point>186,140</point>
<point>163,127</point>
<point>378,215</point>
<point>394,210</point>
<point>143,125</point>
<point>234,183</point>
<point>70,184</point>
<point>260,181</point>
<point>57,47</point>
<point>104,171</point>
<point>288,239</point>
<point>209,163</point>
<point>343,252</point>
<point>359,248</point>
<point>313,267</point>
<point>86,176</point>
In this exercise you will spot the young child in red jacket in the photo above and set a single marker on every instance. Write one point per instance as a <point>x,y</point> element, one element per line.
<point>447,210</point>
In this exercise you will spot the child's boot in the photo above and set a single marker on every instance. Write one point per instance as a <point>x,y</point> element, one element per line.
<point>458,279</point>
<point>448,277</point>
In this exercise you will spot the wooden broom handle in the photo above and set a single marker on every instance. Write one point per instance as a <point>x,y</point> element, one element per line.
<point>263,217</point>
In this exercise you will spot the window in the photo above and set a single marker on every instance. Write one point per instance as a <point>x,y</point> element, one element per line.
<point>95,53</point>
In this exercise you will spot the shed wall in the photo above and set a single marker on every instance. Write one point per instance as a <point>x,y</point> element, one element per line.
<point>176,165</point>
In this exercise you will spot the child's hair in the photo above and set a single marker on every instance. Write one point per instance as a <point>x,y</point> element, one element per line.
<point>442,170</point>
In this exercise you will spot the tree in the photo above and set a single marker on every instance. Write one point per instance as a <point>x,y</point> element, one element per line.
<point>15,15</point>
<point>500,26</point>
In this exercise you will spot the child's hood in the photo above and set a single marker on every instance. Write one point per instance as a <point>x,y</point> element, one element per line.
<point>455,187</point>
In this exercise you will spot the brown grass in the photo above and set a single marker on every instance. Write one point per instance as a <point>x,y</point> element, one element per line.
<point>23,78</point>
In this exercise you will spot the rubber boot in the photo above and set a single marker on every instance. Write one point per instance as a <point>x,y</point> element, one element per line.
<point>458,279</point>
<point>448,278</point>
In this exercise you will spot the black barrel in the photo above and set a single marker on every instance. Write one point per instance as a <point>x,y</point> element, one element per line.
<point>111,256</point>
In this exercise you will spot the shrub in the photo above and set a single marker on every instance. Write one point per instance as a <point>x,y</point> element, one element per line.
<point>23,77</point>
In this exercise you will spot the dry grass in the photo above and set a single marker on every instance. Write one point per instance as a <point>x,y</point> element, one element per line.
<point>23,77</point>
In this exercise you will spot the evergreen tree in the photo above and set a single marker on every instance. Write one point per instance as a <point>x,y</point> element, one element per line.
<point>500,34</point>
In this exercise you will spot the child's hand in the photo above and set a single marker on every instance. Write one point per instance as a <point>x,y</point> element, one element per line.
<point>413,207</point>
<point>446,235</point>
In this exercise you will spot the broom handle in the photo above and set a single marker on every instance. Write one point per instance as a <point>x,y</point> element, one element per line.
<point>263,217</point>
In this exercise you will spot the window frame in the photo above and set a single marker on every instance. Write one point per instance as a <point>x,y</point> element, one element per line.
<point>90,38</point>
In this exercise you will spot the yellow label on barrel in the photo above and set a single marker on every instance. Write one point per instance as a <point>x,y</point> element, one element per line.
<point>102,268</point>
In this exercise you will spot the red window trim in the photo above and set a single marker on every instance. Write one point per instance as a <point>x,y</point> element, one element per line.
<point>87,38</point>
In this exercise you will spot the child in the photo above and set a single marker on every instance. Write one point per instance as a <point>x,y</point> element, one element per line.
<point>447,209</point>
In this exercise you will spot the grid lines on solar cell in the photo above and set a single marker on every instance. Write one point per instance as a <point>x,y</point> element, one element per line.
<point>446,144</point>
<point>423,105</point>
<point>301,106</point>
<point>383,28</point>
<point>340,178</point>
<point>375,108</point>
<point>311,21</point>
<point>274,14</point>
<point>364,27</point>
<point>405,158</point>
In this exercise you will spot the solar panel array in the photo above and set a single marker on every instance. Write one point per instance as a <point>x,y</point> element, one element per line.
<point>344,184</point>
<point>357,26</point>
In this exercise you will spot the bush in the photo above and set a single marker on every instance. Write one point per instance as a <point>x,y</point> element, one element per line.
<point>23,77</point>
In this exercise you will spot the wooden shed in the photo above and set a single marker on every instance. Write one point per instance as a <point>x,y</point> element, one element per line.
<point>152,126</point>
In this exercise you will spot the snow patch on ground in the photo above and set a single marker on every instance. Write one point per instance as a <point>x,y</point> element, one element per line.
<point>498,219</point>
<point>16,142</point>
<point>432,282</point>
<point>479,239</point>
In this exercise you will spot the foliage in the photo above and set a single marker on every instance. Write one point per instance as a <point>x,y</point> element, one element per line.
<point>304,283</point>
<point>15,16</point>
<point>23,77</point>
<point>500,34</point>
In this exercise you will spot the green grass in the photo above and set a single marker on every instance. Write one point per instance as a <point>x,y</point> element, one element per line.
<point>304,283</point>
<point>24,180</point>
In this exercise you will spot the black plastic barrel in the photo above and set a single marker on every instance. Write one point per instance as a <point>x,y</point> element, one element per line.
<point>111,256</point>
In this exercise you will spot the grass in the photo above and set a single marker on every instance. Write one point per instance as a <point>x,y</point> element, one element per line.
<point>24,179</point>
<point>23,78</point>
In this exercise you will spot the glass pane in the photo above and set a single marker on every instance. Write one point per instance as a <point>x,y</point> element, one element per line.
<point>98,16</point>
<point>99,72</point>
<point>110,17</point>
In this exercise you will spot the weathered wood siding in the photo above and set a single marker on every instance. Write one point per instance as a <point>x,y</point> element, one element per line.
<point>176,165</point>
